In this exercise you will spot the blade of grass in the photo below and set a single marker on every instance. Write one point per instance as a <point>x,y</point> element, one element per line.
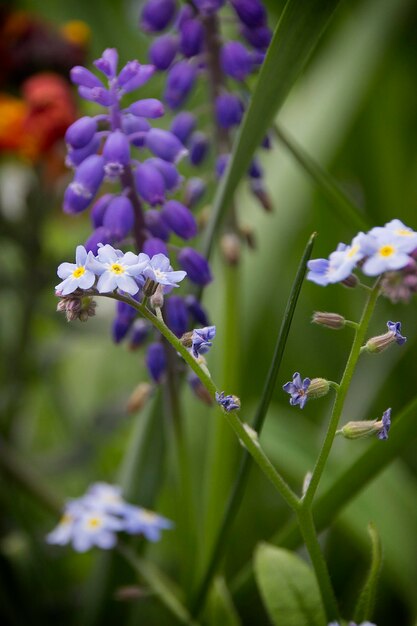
<point>243,473</point>
<point>301,25</point>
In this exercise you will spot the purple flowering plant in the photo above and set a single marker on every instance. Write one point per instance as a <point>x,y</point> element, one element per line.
<point>203,97</point>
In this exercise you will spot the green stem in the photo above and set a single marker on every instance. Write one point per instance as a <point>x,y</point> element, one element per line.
<point>250,443</point>
<point>341,396</point>
<point>308,531</point>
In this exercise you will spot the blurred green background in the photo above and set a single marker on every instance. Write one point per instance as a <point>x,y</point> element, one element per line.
<point>65,386</point>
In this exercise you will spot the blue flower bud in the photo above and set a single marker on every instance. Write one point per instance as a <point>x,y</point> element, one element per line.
<point>136,126</point>
<point>140,331</point>
<point>119,217</point>
<point>153,246</point>
<point>156,225</point>
<point>107,63</point>
<point>191,37</point>
<point>196,266</point>
<point>183,125</point>
<point>255,170</point>
<point>76,157</point>
<point>157,14</point>
<point>196,310</point>
<point>87,180</point>
<point>258,37</point>
<point>156,361</point>
<point>99,208</point>
<point>208,7</point>
<point>120,327</point>
<point>185,13</point>
<point>149,107</point>
<point>250,12</point>
<point>194,191</point>
<point>81,132</point>
<point>140,74</point>
<point>82,77</point>
<point>180,81</point>
<point>229,110</point>
<point>236,61</point>
<point>162,51</point>
<point>172,177</point>
<point>180,219</point>
<point>176,316</point>
<point>99,95</point>
<point>116,153</point>
<point>150,184</point>
<point>165,145</point>
<point>100,235</point>
<point>199,147</point>
<point>221,164</point>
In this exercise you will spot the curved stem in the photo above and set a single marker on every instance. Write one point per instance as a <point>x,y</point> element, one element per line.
<point>249,442</point>
<point>341,396</point>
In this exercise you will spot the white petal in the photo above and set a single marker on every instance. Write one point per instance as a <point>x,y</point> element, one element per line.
<point>86,280</point>
<point>80,255</point>
<point>65,269</point>
<point>128,284</point>
<point>107,282</point>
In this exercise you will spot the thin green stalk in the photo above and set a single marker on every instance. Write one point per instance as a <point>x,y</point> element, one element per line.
<point>341,396</point>
<point>236,495</point>
<point>308,531</point>
<point>249,442</point>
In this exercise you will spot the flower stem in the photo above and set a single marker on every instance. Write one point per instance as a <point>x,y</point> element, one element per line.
<point>249,443</point>
<point>341,396</point>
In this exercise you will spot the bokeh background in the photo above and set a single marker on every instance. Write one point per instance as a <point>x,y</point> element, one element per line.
<point>64,387</point>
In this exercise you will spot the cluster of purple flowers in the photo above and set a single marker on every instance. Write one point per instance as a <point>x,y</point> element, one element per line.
<point>189,43</point>
<point>97,517</point>
<point>100,149</point>
<point>390,251</point>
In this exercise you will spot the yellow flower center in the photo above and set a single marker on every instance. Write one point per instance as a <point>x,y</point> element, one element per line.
<point>94,522</point>
<point>116,268</point>
<point>353,251</point>
<point>78,272</point>
<point>386,250</point>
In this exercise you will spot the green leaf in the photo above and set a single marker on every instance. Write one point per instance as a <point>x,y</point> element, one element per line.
<point>220,608</point>
<point>366,602</point>
<point>301,25</point>
<point>288,588</point>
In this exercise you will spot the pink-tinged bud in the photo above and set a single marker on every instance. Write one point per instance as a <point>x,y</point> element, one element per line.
<point>139,398</point>
<point>165,145</point>
<point>180,81</point>
<point>330,320</point>
<point>196,266</point>
<point>81,132</point>
<point>157,299</point>
<point>149,107</point>
<point>119,218</point>
<point>162,51</point>
<point>179,219</point>
<point>150,184</point>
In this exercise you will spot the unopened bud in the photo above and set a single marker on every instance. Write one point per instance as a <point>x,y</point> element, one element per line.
<point>187,339</point>
<point>157,299</point>
<point>230,247</point>
<point>359,430</point>
<point>139,398</point>
<point>149,288</point>
<point>351,281</point>
<point>377,344</point>
<point>318,387</point>
<point>248,235</point>
<point>330,320</point>
<point>77,307</point>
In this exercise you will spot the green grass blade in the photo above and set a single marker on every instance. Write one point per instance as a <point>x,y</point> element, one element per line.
<point>347,209</point>
<point>301,25</point>
<point>366,603</point>
<point>243,473</point>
